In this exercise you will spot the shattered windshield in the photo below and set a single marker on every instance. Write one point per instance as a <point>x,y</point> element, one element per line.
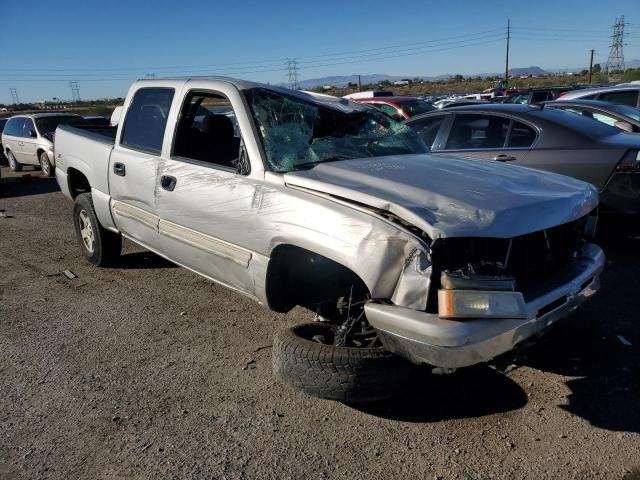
<point>298,134</point>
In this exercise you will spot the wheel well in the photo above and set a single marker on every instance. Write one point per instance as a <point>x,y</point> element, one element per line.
<point>78,183</point>
<point>39,151</point>
<point>297,276</point>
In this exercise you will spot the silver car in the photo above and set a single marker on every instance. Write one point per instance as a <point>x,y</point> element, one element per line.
<point>543,138</point>
<point>620,94</point>
<point>28,139</point>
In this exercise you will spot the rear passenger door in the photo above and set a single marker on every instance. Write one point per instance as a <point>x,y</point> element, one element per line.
<point>135,165</point>
<point>486,136</point>
<point>12,136</point>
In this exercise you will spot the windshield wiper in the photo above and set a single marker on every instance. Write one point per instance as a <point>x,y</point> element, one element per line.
<point>334,158</point>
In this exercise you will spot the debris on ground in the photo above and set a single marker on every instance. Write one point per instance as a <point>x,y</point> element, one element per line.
<point>624,341</point>
<point>250,364</point>
<point>4,214</point>
<point>69,274</point>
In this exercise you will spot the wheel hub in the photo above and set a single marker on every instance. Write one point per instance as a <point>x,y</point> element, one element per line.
<point>86,231</point>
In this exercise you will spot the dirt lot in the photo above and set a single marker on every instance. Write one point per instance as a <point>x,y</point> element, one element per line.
<point>149,371</point>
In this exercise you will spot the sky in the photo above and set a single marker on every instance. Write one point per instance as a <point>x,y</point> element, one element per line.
<point>105,46</point>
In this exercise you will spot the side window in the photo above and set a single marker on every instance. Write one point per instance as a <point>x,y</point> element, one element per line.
<point>604,118</point>
<point>28,128</point>
<point>146,119</point>
<point>207,130</point>
<point>428,128</point>
<point>14,127</point>
<point>537,97</point>
<point>521,135</point>
<point>628,97</point>
<point>389,110</point>
<point>470,132</point>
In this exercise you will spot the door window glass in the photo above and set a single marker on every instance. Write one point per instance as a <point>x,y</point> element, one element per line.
<point>146,119</point>
<point>521,135</point>
<point>28,130</point>
<point>628,97</point>
<point>207,130</point>
<point>470,132</point>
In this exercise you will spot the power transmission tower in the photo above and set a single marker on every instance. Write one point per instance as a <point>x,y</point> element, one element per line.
<point>616,57</point>
<point>14,96</point>
<point>75,91</point>
<point>292,73</point>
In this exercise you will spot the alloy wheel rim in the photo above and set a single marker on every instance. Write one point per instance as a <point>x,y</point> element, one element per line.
<point>44,164</point>
<point>86,230</point>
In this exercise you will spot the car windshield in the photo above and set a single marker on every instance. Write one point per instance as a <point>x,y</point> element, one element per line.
<point>415,107</point>
<point>298,133</point>
<point>47,125</point>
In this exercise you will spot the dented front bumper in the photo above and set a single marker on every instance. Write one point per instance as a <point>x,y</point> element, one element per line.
<point>422,337</point>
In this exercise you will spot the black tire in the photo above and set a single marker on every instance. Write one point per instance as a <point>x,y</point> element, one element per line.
<point>106,245</point>
<point>346,374</point>
<point>14,165</point>
<point>45,165</point>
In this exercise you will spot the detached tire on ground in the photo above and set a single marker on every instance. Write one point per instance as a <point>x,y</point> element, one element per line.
<point>99,245</point>
<point>346,374</point>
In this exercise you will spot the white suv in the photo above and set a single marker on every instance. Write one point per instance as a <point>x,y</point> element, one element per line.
<point>28,139</point>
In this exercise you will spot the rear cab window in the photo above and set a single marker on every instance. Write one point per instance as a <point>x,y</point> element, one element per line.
<point>146,119</point>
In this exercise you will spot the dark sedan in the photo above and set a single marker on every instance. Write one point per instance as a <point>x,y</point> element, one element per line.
<point>623,117</point>
<point>544,138</point>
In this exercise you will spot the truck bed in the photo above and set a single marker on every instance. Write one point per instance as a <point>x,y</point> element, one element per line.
<point>87,150</point>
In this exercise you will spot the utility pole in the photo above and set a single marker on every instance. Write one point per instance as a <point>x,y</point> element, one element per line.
<point>14,95</point>
<point>359,84</point>
<point>616,57</point>
<point>506,63</point>
<point>591,66</point>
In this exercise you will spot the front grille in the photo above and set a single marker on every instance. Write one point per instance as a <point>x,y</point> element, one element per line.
<point>529,258</point>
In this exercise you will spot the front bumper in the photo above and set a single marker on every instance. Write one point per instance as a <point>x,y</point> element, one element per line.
<point>422,337</point>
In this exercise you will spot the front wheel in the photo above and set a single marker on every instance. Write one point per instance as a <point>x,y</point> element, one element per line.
<point>14,165</point>
<point>305,358</point>
<point>45,165</point>
<point>99,245</point>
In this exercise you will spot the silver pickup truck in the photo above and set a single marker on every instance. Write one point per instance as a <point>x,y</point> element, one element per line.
<point>293,198</point>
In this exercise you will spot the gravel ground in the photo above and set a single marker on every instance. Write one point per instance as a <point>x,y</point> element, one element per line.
<point>150,371</point>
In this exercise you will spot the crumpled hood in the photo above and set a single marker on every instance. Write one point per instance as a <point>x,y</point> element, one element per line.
<point>451,197</point>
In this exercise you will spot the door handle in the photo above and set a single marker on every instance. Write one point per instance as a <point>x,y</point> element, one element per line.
<point>504,158</point>
<point>168,183</point>
<point>118,169</point>
<point>21,144</point>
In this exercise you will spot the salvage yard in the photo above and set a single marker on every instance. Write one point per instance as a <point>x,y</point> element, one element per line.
<point>147,370</point>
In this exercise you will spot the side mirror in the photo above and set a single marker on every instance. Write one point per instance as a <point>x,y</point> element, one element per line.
<point>626,126</point>
<point>33,134</point>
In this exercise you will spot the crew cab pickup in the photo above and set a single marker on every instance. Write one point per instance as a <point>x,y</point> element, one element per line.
<point>293,198</point>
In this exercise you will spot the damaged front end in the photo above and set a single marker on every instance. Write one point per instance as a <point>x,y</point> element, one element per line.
<point>486,295</point>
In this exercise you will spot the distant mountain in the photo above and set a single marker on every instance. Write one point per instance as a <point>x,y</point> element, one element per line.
<point>516,72</point>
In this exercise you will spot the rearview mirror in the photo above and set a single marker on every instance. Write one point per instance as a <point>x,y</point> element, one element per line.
<point>626,126</point>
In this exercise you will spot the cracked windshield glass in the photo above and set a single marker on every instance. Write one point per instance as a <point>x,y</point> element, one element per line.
<point>298,134</point>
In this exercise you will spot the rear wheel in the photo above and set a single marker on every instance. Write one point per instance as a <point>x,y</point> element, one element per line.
<point>99,245</point>
<point>13,163</point>
<point>45,165</point>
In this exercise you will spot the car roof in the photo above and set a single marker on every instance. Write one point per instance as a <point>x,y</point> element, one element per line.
<point>395,98</point>
<point>583,92</point>
<point>45,115</point>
